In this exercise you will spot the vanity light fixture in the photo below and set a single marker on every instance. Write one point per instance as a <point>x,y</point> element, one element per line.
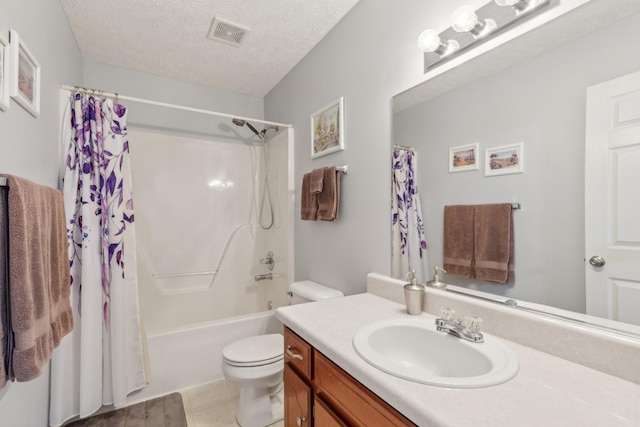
<point>470,27</point>
<point>465,19</point>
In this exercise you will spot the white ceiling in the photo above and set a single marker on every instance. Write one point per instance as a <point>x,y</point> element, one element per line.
<point>169,37</point>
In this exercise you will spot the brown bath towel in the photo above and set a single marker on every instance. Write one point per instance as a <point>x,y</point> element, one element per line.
<point>308,201</point>
<point>329,198</point>
<point>39,280</point>
<point>5,345</point>
<point>317,181</point>
<point>494,243</point>
<point>459,240</point>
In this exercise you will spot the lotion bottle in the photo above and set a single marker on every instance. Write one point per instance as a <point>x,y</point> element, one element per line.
<point>436,283</point>
<point>413,294</point>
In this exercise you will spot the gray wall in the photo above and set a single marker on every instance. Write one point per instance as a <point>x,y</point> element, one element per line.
<point>368,57</point>
<point>29,148</point>
<point>542,103</point>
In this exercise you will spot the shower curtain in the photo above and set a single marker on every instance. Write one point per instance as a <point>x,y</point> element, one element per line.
<point>102,360</point>
<point>408,246</point>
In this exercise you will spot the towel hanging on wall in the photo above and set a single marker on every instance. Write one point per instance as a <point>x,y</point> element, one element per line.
<point>39,280</point>
<point>320,194</point>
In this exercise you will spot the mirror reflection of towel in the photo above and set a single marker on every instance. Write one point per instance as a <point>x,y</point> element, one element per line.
<point>458,240</point>
<point>478,242</point>
<point>493,252</point>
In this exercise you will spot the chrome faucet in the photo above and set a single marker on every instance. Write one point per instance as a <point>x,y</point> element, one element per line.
<point>468,329</point>
<point>267,276</point>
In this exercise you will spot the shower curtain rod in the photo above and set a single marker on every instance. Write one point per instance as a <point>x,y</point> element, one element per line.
<point>164,104</point>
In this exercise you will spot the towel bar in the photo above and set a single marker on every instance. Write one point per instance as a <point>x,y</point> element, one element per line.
<point>3,181</point>
<point>343,168</point>
<point>515,205</point>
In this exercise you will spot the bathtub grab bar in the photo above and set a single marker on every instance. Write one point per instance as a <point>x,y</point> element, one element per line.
<point>213,273</point>
<point>198,273</point>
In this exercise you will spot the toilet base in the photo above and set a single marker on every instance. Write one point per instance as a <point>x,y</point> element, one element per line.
<point>260,406</point>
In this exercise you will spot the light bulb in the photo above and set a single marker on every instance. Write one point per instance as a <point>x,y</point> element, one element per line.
<point>464,19</point>
<point>429,41</point>
<point>506,2</point>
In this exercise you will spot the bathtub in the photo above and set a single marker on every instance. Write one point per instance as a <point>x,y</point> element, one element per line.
<point>192,356</point>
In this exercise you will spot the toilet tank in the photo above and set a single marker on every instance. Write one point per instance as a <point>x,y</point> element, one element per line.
<point>308,291</point>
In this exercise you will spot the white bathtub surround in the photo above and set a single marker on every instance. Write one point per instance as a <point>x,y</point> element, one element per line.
<point>548,390</point>
<point>614,354</point>
<point>199,238</point>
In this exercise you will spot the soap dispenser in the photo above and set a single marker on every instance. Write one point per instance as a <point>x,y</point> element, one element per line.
<point>436,283</point>
<point>413,294</point>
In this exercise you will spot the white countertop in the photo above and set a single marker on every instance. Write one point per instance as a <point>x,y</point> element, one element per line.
<point>548,391</point>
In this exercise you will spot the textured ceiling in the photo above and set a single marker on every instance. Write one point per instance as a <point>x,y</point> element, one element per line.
<point>169,37</point>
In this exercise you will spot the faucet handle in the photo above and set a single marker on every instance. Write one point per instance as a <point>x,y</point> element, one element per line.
<point>447,313</point>
<point>472,324</point>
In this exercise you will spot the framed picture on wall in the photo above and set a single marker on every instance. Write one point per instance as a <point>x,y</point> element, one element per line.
<point>5,73</point>
<point>327,129</point>
<point>25,85</point>
<point>504,160</point>
<point>463,158</point>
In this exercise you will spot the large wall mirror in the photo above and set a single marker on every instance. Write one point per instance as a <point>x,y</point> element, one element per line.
<point>539,101</point>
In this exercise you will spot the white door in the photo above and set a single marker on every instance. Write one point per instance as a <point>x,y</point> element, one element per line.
<point>612,199</point>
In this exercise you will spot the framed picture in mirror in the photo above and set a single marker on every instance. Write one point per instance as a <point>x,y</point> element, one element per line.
<point>463,158</point>
<point>504,160</point>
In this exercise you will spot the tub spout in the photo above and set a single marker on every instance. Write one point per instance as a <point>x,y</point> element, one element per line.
<point>267,276</point>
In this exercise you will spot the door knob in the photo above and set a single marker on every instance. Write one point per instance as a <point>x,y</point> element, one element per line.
<point>597,261</point>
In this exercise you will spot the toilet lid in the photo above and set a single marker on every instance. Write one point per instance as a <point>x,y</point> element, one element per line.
<point>259,349</point>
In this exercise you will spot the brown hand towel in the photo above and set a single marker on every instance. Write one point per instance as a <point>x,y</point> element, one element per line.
<point>494,243</point>
<point>308,200</point>
<point>458,240</point>
<point>329,198</point>
<point>317,181</point>
<point>39,280</point>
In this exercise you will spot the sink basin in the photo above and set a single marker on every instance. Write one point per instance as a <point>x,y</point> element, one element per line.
<point>414,350</point>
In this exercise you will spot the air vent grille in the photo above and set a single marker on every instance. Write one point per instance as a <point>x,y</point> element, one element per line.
<point>226,32</point>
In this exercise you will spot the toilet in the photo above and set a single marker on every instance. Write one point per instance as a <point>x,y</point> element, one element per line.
<point>256,364</point>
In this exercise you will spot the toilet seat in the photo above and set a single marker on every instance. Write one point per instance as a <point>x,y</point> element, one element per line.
<point>254,351</point>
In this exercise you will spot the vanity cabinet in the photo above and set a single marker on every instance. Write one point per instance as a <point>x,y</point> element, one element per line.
<point>319,393</point>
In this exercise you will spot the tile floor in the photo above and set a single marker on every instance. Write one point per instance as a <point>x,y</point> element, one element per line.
<point>213,405</point>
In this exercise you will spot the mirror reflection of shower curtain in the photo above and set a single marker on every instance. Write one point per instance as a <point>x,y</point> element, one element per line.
<point>408,245</point>
<point>101,361</point>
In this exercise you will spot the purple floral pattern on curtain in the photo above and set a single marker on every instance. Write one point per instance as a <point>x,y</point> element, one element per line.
<point>409,246</point>
<point>95,159</point>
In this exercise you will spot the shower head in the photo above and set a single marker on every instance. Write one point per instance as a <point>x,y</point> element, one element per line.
<point>240,122</point>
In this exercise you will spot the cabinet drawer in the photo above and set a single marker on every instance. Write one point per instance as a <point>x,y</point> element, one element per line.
<point>353,401</point>
<point>297,353</point>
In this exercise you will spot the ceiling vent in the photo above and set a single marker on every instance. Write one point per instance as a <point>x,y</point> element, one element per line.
<point>226,32</point>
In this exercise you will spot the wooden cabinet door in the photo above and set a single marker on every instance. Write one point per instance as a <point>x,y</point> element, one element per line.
<point>297,400</point>
<point>325,417</point>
